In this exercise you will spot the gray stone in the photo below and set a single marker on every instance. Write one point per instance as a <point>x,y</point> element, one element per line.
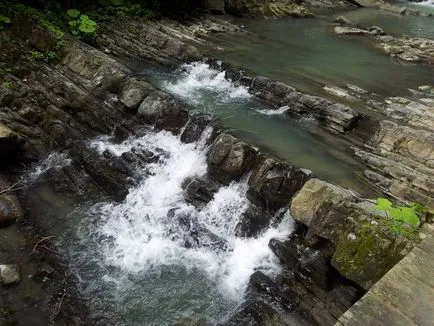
<point>9,274</point>
<point>163,110</point>
<point>134,91</point>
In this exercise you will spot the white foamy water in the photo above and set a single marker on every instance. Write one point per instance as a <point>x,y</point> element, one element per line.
<point>278,111</point>
<point>429,3</point>
<point>55,160</point>
<point>197,77</point>
<point>139,235</point>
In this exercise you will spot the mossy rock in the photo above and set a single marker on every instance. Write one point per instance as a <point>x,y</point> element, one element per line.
<point>366,254</point>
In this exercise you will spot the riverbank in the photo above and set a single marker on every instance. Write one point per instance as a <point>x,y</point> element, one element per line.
<point>204,216</point>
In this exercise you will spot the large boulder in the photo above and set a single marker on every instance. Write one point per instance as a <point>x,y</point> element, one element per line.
<point>273,183</point>
<point>314,193</point>
<point>230,158</point>
<point>164,111</point>
<point>367,243</point>
<point>134,91</point>
<point>200,191</point>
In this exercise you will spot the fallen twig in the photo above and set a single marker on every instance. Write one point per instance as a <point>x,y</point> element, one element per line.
<point>40,241</point>
<point>11,188</point>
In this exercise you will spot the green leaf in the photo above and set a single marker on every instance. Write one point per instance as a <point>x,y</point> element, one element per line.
<point>84,18</point>
<point>73,13</point>
<point>395,213</point>
<point>383,204</point>
<point>87,29</point>
<point>4,19</point>
<point>409,216</point>
<point>117,3</point>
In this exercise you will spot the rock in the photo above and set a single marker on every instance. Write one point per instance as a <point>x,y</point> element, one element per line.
<point>200,191</point>
<point>252,223</point>
<point>95,66</point>
<point>10,210</point>
<point>134,91</point>
<point>194,128</point>
<point>352,31</point>
<point>42,39</point>
<point>366,244</point>
<point>343,21</point>
<point>9,274</point>
<point>273,183</point>
<point>400,160</point>
<point>339,92</point>
<point>230,158</point>
<point>10,143</point>
<point>215,6</point>
<point>112,173</point>
<point>314,193</point>
<point>266,8</point>
<point>163,110</point>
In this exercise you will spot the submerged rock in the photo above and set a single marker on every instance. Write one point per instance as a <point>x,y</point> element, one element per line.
<point>9,274</point>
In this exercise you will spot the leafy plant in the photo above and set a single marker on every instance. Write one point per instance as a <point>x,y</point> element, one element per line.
<point>4,21</point>
<point>46,56</point>
<point>81,25</point>
<point>401,214</point>
<point>7,84</point>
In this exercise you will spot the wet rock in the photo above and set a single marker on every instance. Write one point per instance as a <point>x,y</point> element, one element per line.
<point>215,6</point>
<point>10,210</point>
<point>343,20</point>
<point>200,191</point>
<point>314,193</point>
<point>273,183</point>
<point>195,127</point>
<point>134,91</point>
<point>163,110</point>
<point>113,175</point>
<point>339,92</point>
<point>230,158</point>
<point>265,286</point>
<point>10,143</point>
<point>266,8</point>
<point>253,222</point>
<point>9,274</point>
<point>194,234</point>
<point>253,313</point>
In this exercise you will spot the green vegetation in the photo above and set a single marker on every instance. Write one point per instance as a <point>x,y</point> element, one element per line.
<point>4,21</point>
<point>403,220</point>
<point>81,25</point>
<point>46,56</point>
<point>7,84</point>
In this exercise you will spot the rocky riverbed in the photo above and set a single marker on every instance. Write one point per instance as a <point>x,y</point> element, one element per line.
<point>328,244</point>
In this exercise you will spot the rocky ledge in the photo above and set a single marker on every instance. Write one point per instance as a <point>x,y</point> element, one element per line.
<point>404,48</point>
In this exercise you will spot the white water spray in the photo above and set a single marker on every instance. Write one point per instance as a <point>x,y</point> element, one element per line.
<point>197,77</point>
<point>139,235</point>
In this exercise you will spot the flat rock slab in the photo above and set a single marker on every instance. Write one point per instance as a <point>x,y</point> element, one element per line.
<point>404,296</point>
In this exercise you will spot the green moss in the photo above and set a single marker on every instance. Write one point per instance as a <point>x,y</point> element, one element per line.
<point>45,56</point>
<point>7,84</point>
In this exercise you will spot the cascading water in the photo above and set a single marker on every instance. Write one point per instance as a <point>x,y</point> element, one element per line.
<point>140,259</point>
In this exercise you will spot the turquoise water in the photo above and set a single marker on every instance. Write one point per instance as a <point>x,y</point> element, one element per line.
<point>308,55</point>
